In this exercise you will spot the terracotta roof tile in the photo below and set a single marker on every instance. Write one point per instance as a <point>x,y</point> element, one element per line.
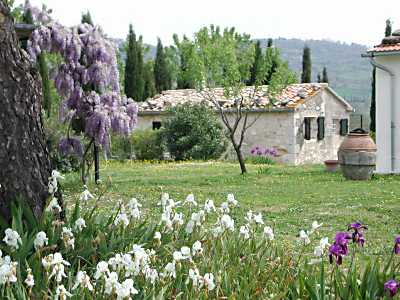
<point>385,48</point>
<point>290,97</point>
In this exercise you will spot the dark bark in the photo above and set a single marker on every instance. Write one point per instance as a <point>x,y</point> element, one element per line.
<point>240,157</point>
<point>24,159</point>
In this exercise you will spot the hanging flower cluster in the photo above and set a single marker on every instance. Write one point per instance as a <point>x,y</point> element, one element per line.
<point>87,81</point>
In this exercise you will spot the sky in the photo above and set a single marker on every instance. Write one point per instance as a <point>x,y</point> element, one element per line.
<point>350,21</point>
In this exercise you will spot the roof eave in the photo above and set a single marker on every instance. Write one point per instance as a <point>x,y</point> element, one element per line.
<point>253,110</point>
<point>380,53</point>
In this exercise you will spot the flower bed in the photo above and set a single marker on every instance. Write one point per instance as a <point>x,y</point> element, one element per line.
<point>183,249</point>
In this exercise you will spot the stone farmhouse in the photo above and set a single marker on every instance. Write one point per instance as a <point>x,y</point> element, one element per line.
<point>305,124</point>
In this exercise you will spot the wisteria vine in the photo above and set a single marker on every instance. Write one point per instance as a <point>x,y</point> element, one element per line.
<point>87,81</point>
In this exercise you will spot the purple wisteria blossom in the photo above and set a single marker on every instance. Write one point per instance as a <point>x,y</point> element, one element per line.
<point>358,235</point>
<point>396,249</point>
<point>391,286</point>
<point>71,146</point>
<point>87,81</point>
<point>339,247</point>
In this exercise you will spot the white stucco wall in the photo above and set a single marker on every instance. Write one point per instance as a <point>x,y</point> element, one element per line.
<point>387,116</point>
<point>312,151</point>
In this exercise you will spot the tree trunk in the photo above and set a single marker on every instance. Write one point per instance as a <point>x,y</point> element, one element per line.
<point>240,157</point>
<point>24,159</point>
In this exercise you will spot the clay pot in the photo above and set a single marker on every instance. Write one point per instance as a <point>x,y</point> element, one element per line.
<point>357,155</point>
<point>331,165</point>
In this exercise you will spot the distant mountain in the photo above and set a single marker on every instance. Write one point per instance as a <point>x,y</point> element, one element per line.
<point>349,74</point>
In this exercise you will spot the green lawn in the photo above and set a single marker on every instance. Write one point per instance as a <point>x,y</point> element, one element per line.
<point>289,197</point>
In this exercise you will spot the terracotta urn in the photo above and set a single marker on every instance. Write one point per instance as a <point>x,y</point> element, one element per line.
<point>331,165</point>
<point>357,155</point>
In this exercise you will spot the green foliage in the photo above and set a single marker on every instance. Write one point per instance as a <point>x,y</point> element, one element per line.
<point>193,131</point>
<point>258,60</point>
<point>121,147</point>
<point>372,112</point>
<point>161,72</point>
<point>148,144</point>
<point>134,79</point>
<point>325,78</point>
<point>260,160</point>
<point>388,28</point>
<point>306,72</point>
<point>149,85</point>
<point>87,18</point>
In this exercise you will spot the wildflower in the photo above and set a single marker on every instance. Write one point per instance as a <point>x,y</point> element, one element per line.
<point>224,207</point>
<point>244,231</point>
<point>269,233</point>
<point>217,231</point>
<point>41,240</point>
<point>315,226</point>
<point>83,280</point>
<point>126,289</point>
<point>319,250</point>
<point>157,235</point>
<point>111,283</point>
<point>29,281</point>
<point>54,206</point>
<point>150,274</point>
<point>258,218</point>
<point>164,199</point>
<point>58,264</point>
<point>314,261</point>
<point>340,247</point>
<point>122,218</point>
<point>392,287</point>
<point>197,280</point>
<point>185,252</point>
<point>249,216</point>
<point>209,206</point>
<point>80,224</point>
<point>86,195</point>
<point>178,219</point>
<point>209,281</point>
<point>197,248</point>
<point>231,200</point>
<point>68,237</point>
<point>358,236</point>
<point>169,270</point>
<point>134,208</point>
<point>396,249</point>
<point>190,200</point>
<point>62,293</point>
<point>8,271</point>
<point>304,237</point>
<point>46,262</point>
<point>177,255</point>
<point>198,217</point>
<point>53,181</point>
<point>227,222</point>
<point>101,270</point>
<point>12,238</point>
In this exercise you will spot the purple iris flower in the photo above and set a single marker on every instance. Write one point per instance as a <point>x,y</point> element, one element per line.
<point>392,287</point>
<point>339,247</point>
<point>396,249</point>
<point>358,235</point>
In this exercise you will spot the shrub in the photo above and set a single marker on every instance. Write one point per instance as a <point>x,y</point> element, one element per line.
<point>193,131</point>
<point>148,144</point>
<point>121,147</point>
<point>262,155</point>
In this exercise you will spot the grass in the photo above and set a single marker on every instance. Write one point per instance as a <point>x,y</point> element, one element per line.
<point>289,197</point>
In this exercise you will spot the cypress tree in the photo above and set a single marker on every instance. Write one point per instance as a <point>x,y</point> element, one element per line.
<point>372,124</point>
<point>87,18</point>
<point>319,78</point>
<point>134,82</point>
<point>161,74</point>
<point>149,85</point>
<point>388,29</point>
<point>273,59</point>
<point>325,75</point>
<point>255,68</point>
<point>306,73</point>
<point>270,43</point>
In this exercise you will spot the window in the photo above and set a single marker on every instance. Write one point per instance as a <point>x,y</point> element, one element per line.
<point>156,125</point>
<point>321,128</point>
<point>307,128</point>
<point>344,127</point>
